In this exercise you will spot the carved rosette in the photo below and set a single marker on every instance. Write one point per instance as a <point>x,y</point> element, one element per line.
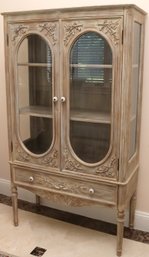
<point>70,31</point>
<point>49,29</point>
<point>51,159</point>
<point>70,163</point>
<point>109,169</point>
<point>111,28</point>
<point>18,31</point>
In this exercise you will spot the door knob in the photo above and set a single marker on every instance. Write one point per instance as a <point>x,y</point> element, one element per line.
<point>55,99</point>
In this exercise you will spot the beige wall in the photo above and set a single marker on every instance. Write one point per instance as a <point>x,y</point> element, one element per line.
<point>17,5</point>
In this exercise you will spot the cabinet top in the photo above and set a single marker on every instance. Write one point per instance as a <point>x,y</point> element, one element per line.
<point>59,11</point>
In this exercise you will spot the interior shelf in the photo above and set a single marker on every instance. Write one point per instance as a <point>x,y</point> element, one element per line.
<point>30,64</point>
<point>86,116</point>
<point>38,111</point>
<point>79,65</point>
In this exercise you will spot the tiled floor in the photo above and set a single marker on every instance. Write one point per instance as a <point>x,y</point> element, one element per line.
<point>61,239</point>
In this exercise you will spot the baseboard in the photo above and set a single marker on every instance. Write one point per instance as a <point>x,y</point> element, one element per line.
<point>96,212</point>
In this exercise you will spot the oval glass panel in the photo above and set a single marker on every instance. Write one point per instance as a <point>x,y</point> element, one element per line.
<point>34,79</point>
<point>90,97</point>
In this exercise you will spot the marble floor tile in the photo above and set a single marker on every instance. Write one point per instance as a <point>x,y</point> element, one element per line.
<point>59,238</point>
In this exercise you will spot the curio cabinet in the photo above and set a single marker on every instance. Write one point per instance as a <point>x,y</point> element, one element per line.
<point>74,82</point>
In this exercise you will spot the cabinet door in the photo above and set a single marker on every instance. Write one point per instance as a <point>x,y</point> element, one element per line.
<point>34,91</point>
<point>92,54</point>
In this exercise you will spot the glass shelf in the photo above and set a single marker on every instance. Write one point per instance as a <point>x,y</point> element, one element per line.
<point>37,111</point>
<point>31,64</point>
<point>88,116</point>
<point>79,65</point>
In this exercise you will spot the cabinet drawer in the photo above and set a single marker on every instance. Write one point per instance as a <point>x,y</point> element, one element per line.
<point>79,188</point>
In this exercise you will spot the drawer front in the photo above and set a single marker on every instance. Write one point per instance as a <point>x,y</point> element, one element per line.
<point>70,186</point>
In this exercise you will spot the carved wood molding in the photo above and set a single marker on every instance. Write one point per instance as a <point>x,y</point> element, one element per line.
<point>111,28</point>
<point>109,169</point>
<point>105,170</point>
<point>61,198</point>
<point>18,31</point>
<point>69,200</point>
<point>70,31</point>
<point>49,29</point>
<point>70,163</point>
<point>63,185</point>
<point>21,155</point>
<point>51,159</point>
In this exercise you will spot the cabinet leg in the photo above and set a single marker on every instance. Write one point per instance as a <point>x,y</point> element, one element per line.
<point>120,230</point>
<point>37,200</point>
<point>132,211</point>
<point>15,204</point>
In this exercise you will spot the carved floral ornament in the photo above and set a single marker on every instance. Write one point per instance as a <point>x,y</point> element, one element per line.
<point>60,184</point>
<point>51,159</point>
<point>18,31</point>
<point>62,198</point>
<point>109,169</point>
<point>70,31</point>
<point>105,170</point>
<point>21,155</point>
<point>49,29</point>
<point>70,163</point>
<point>111,27</point>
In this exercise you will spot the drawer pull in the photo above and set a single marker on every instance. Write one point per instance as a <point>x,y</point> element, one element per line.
<point>91,191</point>
<point>31,179</point>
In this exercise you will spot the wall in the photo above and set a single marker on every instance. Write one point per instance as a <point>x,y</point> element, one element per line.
<point>17,5</point>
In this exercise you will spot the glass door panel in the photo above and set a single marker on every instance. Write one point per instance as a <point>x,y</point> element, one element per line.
<point>90,97</point>
<point>34,78</point>
<point>135,88</point>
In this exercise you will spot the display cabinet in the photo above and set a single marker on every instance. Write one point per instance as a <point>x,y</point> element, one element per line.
<point>74,82</point>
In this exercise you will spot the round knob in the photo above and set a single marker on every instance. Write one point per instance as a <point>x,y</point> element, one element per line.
<point>91,191</point>
<point>31,179</point>
<point>55,99</point>
<point>63,99</point>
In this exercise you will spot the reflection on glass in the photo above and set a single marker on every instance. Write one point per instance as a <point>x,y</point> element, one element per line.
<point>134,88</point>
<point>90,140</point>
<point>90,97</point>
<point>34,76</point>
<point>35,133</point>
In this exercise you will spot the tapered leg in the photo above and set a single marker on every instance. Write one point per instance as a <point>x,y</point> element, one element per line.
<point>15,204</point>
<point>120,230</point>
<point>38,200</point>
<point>132,211</point>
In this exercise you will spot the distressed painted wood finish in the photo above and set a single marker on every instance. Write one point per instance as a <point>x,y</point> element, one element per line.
<point>64,185</point>
<point>111,29</point>
<point>58,174</point>
<point>49,31</point>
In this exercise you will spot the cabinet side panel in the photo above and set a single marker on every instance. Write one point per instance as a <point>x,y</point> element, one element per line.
<point>136,97</point>
<point>8,94</point>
